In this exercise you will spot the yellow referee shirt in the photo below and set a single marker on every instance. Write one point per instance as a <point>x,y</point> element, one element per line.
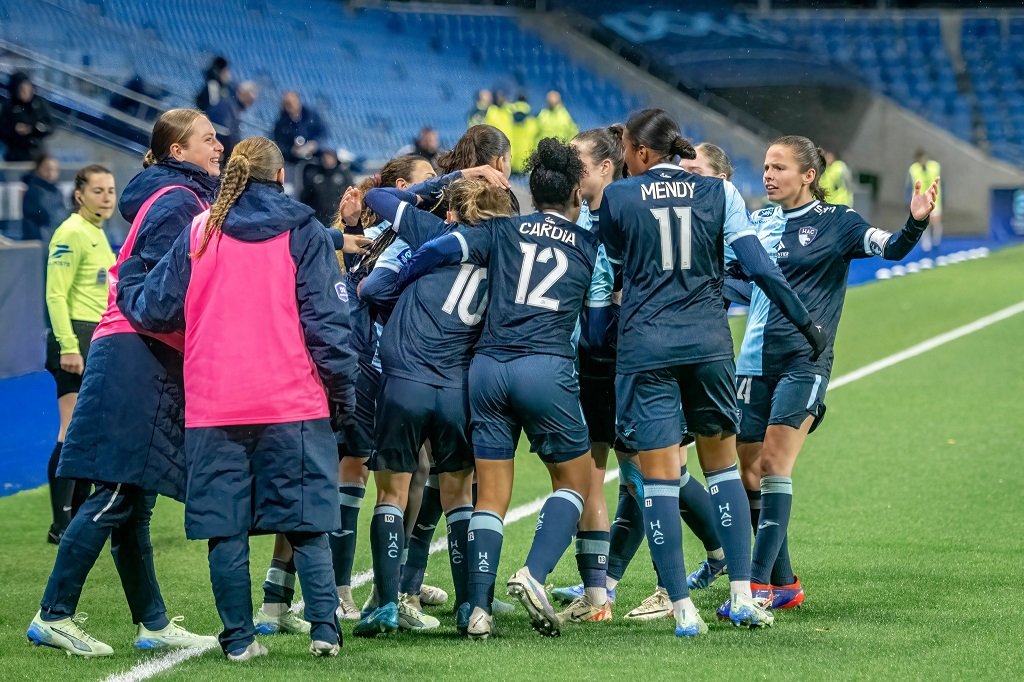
<point>76,278</point>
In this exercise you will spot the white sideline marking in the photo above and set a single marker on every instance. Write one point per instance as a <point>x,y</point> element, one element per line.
<point>167,661</point>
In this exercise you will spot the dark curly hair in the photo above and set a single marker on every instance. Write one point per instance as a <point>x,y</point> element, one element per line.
<point>555,173</point>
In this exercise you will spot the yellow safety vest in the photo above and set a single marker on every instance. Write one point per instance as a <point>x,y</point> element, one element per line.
<point>833,181</point>
<point>926,176</point>
<point>556,123</point>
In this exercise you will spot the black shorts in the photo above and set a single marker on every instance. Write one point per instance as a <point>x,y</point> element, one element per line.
<point>784,400</point>
<point>410,413</point>
<point>657,408</point>
<point>66,381</point>
<point>597,398</point>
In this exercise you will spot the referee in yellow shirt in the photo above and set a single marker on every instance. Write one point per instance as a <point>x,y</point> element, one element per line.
<point>76,296</point>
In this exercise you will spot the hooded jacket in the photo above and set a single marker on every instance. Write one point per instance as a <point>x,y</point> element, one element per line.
<point>265,314</point>
<point>35,113</point>
<point>43,207</point>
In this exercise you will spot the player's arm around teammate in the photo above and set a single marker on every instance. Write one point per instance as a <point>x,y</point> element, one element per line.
<point>259,355</point>
<point>781,390</point>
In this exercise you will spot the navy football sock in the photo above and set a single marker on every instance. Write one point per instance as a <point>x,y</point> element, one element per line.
<point>592,557</point>
<point>776,504</point>
<point>418,545</point>
<point>626,534</point>
<point>387,538</point>
<point>782,571</point>
<point>729,503</point>
<point>486,532</point>
<point>555,527</point>
<point>665,533</point>
<point>458,528</point>
<point>695,508</point>
<point>343,541</point>
<point>279,587</point>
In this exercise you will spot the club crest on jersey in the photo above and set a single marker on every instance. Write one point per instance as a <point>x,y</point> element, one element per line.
<point>339,288</point>
<point>807,235</point>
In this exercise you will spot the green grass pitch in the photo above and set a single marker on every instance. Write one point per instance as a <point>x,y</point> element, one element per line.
<point>908,534</point>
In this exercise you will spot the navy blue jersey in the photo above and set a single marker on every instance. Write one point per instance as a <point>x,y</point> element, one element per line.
<point>667,229</point>
<point>540,268</point>
<point>436,322</point>
<point>813,246</point>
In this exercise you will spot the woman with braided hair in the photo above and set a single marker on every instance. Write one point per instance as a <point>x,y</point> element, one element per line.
<point>267,362</point>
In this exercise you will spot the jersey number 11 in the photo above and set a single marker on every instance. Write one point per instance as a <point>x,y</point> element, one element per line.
<point>683,218</point>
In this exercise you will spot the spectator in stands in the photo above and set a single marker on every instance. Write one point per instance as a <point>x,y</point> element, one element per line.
<point>299,131</point>
<point>478,114</point>
<point>76,296</point>
<point>324,183</point>
<point>217,84</point>
<point>127,105</point>
<point>427,144</point>
<point>226,115</point>
<point>926,171</point>
<point>25,119</point>
<point>837,181</point>
<point>43,206</point>
<point>523,134</point>
<point>555,121</point>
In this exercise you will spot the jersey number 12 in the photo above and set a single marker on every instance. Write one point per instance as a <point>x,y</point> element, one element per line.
<point>536,297</point>
<point>683,218</point>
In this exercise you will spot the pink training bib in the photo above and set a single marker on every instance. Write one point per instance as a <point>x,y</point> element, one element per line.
<point>113,321</point>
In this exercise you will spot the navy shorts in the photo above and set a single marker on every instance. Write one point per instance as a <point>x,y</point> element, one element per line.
<point>786,400</point>
<point>658,407</point>
<point>538,394</point>
<point>262,478</point>
<point>358,438</point>
<point>410,413</point>
<point>597,397</point>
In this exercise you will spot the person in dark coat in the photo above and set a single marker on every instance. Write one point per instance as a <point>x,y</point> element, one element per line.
<point>43,207</point>
<point>127,431</point>
<point>25,120</point>
<point>265,358</point>
<point>299,130</point>
<point>323,185</point>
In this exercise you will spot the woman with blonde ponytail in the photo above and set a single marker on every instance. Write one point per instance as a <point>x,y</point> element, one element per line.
<point>267,363</point>
<point>126,433</point>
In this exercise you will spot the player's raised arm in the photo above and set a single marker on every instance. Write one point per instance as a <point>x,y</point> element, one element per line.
<point>894,247</point>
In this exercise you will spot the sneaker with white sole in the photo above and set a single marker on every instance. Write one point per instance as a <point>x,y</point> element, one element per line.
<point>532,595</point>
<point>432,596</point>
<point>171,637</point>
<point>481,625</point>
<point>322,649</point>
<point>66,634</point>
<point>582,611</point>
<point>254,650</point>
<point>411,618</point>
<point>347,609</point>
<point>750,611</point>
<point>691,625</point>
<point>658,605</point>
<point>287,623</point>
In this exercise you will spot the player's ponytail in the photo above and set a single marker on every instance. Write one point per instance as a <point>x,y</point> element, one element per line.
<point>555,173</point>
<point>718,160</point>
<point>809,156</point>
<point>254,158</point>
<point>655,129</point>
<point>479,145</point>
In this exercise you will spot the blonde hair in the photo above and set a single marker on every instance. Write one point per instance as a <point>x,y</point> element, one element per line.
<point>476,200</point>
<point>717,159</point>
<point>173,127</point>
<point>254,158</point>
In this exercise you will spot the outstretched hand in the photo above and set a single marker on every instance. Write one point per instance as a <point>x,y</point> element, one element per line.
<point>351,206</point>
<point>488,173</point>
<point>922,205</point>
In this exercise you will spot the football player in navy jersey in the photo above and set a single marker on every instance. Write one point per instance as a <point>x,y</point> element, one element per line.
<point>523,376</point>
<point>780,389</point>
<point>425,350</point>
<point>667,230</point>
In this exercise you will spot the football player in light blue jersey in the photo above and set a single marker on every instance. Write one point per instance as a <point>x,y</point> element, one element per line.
<point>781,390</point>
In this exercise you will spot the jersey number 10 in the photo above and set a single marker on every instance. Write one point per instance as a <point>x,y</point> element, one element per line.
<point>464,291</point>
<point>683,216</point>
<point>536,297</point>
